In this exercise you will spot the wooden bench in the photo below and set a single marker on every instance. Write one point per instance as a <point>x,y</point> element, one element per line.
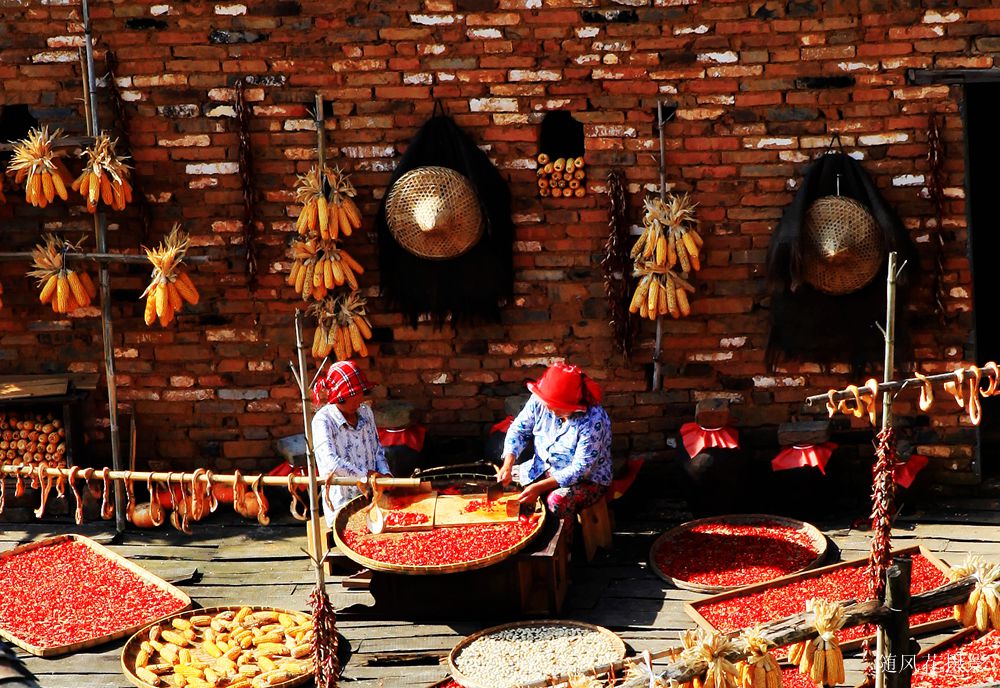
<point>595,527</point>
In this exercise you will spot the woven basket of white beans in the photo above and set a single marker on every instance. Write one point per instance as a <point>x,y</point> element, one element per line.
<point>510,655</point>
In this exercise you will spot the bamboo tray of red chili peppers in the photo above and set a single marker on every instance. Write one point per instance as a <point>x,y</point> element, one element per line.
<point>68,593</point>
<point>440,550</point>
<point>729,612</point>
<point>728,552</point>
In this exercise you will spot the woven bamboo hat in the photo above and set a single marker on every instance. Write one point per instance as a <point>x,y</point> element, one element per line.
<point>842,248</point>
<point>433,212</point>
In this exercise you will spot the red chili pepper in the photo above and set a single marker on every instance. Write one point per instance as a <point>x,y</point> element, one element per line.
<point>67,593</point>
<point>405,518</point>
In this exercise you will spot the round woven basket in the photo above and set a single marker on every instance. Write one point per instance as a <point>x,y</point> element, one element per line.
<point>468,682</point>
<point>134,644</point>
<point>815,536</point>
<point>350,517</point>
<point>433,212</point>
<point>842,249</point>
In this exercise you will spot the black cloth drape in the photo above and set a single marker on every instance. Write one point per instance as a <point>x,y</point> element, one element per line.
<point>808,325</point>
<point>470,287</point>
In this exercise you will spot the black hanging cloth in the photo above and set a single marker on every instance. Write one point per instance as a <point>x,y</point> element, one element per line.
<point>808,325</point>
<point>473,286</point>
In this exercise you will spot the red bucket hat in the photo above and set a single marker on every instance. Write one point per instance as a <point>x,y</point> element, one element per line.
<point>566,386</point>
<point>343,380</point>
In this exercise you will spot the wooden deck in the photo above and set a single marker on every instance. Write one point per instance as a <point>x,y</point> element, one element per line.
<point>233,564</point>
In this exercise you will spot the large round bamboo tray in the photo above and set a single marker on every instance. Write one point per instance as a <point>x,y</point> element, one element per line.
<point>349,516</point>
<point>468,682</point>
<point>134,643</point>
<point>816,537</point>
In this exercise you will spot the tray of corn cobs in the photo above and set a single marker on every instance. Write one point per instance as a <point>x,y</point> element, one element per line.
<point>513,654</point>
<point>225,647</point>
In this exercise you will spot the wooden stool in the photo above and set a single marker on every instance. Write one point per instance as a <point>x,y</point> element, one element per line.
<point>595,526</point>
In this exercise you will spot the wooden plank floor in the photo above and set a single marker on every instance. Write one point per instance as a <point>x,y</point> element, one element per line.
<point>236,563</point>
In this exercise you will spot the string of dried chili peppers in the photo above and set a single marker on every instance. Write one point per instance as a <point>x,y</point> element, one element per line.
<point>935,190</point>
<point>326,643</point>
<point>617,265</point>
<point>883,498</point>
<point>734,555</point>
<point>246,177</point>
<point>66,593</point>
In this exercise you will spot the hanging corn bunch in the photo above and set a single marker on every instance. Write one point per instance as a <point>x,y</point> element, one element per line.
<point>760,669</point>
<point>342,327</point>
<point>667,248</point>
<point>669,237</point>
<point>660,291</point>
<point>65,289</point>
<point>36,164</point>
<point>712,649</point>
<point>821,658</point>
<point>105,177</point>
<point>170,285</point>
<point>982,609</point>
<point>342,203</point>
<point>318,267</point>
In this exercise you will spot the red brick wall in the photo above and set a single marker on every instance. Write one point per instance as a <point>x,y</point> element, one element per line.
<point>749,121</point>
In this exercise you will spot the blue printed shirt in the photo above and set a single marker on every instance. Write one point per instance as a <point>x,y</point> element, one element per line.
<point>346,451</point>
<point>575,449</point>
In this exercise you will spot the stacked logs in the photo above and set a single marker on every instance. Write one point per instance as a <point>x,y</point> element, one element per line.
<point>32,439</point>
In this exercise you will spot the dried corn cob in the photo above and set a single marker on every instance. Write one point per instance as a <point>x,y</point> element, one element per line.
<point>36,164</point>
<point>105,177</point>
<point>66,289</point>
<point>169,286</point>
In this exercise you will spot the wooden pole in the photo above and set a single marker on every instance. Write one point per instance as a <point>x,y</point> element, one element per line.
<point>891,386</point>
<point>123,258</point>
<point>320,134</point>
<point>658,343</point>
<point>898,643</point>
<point>888,367</point>
<point>101,234</point>
<point>792,629</point>
<point>224,479</point>
<point>315,512</point>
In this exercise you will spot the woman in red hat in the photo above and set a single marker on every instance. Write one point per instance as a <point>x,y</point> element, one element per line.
<point>344,437</point>
<point>572,441</point>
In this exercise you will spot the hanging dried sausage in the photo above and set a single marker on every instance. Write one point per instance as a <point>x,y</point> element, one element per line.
<point>926,392</point>
<point>107,508</point>
<point>261,500</point>
<point>78,514</point>
<point>299,509</point>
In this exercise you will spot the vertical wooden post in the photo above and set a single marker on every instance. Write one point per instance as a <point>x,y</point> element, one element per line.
<point>104,281</point>
<point>900,648</point>
<point>658,343</point>
<point>889,333</point>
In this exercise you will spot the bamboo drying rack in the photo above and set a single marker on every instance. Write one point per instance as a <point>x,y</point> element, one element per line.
<point>101,256</point>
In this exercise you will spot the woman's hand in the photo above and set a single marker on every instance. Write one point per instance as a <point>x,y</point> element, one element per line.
<point>537,489</point>
<point>505,472</point>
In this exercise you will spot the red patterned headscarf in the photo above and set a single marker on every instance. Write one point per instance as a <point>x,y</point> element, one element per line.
<point>343,380</point>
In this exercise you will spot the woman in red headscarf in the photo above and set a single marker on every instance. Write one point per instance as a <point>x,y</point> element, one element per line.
<point>572,441</point>
<point>344,436</point>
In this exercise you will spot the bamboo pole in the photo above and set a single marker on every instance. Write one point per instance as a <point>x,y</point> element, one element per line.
<point>101,234</point>
<point>658,343</point>
<point>895,386</point>
<point>223,479</point>
<point>124,258</point>
<point>779,633</point>
<point>889,364</point>
<point>311,468</point>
